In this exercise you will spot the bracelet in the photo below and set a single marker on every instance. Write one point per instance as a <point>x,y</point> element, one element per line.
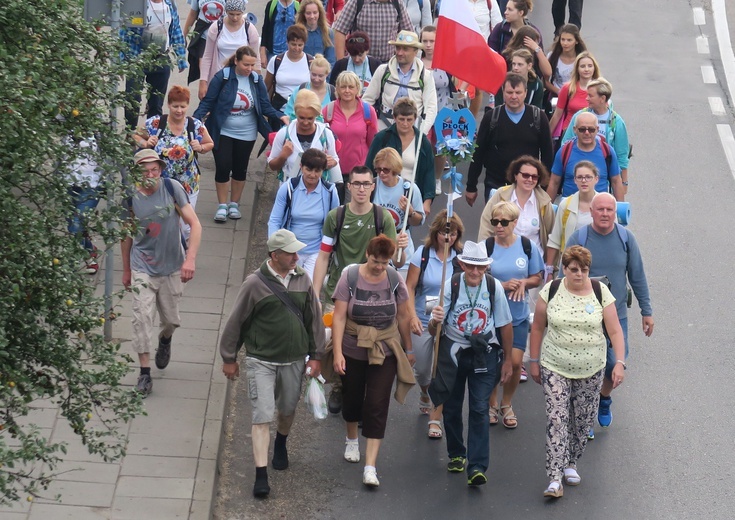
<point>408,352</point>
<point>538,49</point>
<point>533,360</point>
<point>625,183</point>
<point>625,367</point>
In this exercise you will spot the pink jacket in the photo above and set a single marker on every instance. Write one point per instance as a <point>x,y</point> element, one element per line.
<point>209,66</point>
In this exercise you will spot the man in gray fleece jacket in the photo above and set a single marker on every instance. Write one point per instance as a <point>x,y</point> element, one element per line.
<point>278,317</point>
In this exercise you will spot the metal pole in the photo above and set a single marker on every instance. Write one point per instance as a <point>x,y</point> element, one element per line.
<point>109,254</point>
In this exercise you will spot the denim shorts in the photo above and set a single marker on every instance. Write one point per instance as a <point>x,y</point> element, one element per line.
<point>520,335</point>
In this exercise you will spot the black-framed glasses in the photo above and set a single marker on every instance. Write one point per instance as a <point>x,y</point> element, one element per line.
<point>502,221</point>
<point>587,129</point>
<point>358,185</point>
<point>528,176</point>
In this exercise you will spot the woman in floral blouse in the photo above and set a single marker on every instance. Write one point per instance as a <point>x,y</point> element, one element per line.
<point>177,139</point>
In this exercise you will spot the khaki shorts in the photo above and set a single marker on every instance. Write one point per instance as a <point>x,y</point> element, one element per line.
<point>161,293</point>
<point>271,386</point>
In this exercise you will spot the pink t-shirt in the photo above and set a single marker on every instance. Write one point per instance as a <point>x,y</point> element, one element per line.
<point>577,103</point>
<point>373,305</point>
<point>354,134</point>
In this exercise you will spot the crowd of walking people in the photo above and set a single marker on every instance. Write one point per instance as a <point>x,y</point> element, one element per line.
<point>345,95</point>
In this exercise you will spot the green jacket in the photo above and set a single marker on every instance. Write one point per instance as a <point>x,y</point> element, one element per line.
<point>269,331</point>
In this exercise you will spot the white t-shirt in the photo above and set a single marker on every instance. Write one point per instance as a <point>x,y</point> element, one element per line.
<point>228,42</point>
<point>584,218</point>
<point>409,157</point>
<point>528,221</point>
<point>157,23</point>
<point>563,73</point>
<point>290,74</point>
<point>209,10</point>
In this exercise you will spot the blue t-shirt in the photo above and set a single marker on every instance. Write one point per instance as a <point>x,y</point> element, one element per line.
<point>283,18</point>
<point>515,117</point>
<point>466,318</point>
<point>242,122</point>
<point>431,282</point>
<point>512,262</point>
<point>596,157</point>
<point>389,197</point>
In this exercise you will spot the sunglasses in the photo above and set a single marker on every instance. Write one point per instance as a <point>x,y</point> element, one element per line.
<point>587,129</point>
<point>383,170</point>
<point>577,270</point>
<point>358,39</point>
<point>473,267</point>
<point>528,176</point>
<point>503,222</point>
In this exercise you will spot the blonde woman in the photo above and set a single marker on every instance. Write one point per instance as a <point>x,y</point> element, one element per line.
<point>321,38</point>
<point>318,72</point>
<point>573,95</point>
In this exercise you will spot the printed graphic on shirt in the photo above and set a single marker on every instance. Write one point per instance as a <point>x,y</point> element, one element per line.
<point>373,307</point>
<point>243,103</point>
<point>471,321</point>
<point>211,11</point>
<point>394,211</point>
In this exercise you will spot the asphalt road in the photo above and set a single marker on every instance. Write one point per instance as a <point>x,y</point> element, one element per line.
<point>669,453</point>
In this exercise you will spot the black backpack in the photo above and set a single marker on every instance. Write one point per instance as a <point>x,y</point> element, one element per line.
<point>292,184</point>
<point>597,282</point>
<point>525,243</point>
<point>495,116</point>
<point>425,255</point>
<point>377,218</point>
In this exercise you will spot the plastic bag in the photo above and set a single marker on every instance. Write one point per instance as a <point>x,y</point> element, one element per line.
<point>315,400</point>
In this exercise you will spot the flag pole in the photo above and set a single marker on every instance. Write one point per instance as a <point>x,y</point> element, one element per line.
<point>410,189</point>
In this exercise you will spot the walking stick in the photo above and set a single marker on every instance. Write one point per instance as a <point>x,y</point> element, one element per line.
<point>410,189</point>
<point>447,228</point>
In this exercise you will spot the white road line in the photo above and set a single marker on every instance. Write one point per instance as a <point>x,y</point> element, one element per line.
<point>717,106</point>
<point>723,40</point>
<point>698,13</point>
<point>708,74</point>
<point>728,143</point>
<point>702,45</point>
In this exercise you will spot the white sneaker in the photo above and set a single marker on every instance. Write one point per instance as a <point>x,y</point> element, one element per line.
<point>352,452</point>
<point>370,477</point>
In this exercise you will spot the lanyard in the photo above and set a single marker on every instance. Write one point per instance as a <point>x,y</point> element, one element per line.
<point>473,304</point>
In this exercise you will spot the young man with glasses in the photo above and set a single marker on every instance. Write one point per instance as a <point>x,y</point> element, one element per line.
<point>346,244</point>
<point>587,146</point>
<point>507,132</point>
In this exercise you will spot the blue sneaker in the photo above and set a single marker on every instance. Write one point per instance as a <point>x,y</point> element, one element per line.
<point>604,414</point>
<point>591,434</point>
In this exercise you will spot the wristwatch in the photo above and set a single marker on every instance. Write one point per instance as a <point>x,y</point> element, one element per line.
<point>625,367</point>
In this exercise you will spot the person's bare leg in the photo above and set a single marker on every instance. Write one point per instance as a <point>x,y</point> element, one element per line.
<point>351,430</point>
<point>237,189</point>
<point>223,191</point>
<point>371,451</point>
<point>261,440</point>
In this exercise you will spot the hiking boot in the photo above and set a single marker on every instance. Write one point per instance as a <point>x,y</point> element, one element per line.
<point>163,353</point>
<point>335,401</point>
<point>456,465</point>
<point>604,414</point>
<point>145,385</point>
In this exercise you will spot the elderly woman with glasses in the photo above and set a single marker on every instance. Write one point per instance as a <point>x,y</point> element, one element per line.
<point>571,365</point>
<point>358,61</point>
<point>518,266</point>
<point>474,353</point>
<point>536,219</point>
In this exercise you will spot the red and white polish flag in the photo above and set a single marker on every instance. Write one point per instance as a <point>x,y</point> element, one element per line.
<point>462,51</point>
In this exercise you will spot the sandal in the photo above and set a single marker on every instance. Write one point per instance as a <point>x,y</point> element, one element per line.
<point>221,214</point>
<point>425,405</point>
<point>233,211</point>
<point>494,417</point>
<point>510,420</point>
<point>571,476</point>
<point>435,433</point>
<point>555,490</point>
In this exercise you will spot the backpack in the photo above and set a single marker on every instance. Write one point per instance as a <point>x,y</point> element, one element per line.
<point>597,282</point>
<point>341,210</point>
<point>221,24</point>
<point>386,79</point>
<point>454,293</point>
<point>525,243</point>
<point>394,279</point>
<point>365,113</point>
<point>330,89</point>
<point>360,3</point>
<point>190,132</point>
<point>566,152</point>
<point>170,189</point>
<point>612,123</point>
<point>623,235</point>
<point>496,116</point>
<point>322,140</point>
<point>274,4</point>
<point>292,184</point>
<point>425,255</point>
<point>279,59</point>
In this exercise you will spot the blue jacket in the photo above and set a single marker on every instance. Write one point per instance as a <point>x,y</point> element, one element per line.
<point>220,97</point>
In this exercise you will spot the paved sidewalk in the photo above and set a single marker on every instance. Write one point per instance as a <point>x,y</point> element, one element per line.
<point>170,469</point>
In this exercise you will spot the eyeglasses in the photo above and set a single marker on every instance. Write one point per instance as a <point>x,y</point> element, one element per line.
<point>528,176</point>
<point>587,129</point>
<point>383,170</point>
<point>473,267</point>
<point>450,235</point>
<point>503,222</point>
<point>584,178</point>
<point>576,270</point>
<point>358,185</point>
<point>357,39</point>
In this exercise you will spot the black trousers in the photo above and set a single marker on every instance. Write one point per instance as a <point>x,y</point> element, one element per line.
<point>558,8</point>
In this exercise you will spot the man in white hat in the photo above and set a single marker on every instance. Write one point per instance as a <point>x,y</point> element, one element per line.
<point>474,313</point>
<point>278,318</point>
<point>157,261</point>
<point>403,76</point>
